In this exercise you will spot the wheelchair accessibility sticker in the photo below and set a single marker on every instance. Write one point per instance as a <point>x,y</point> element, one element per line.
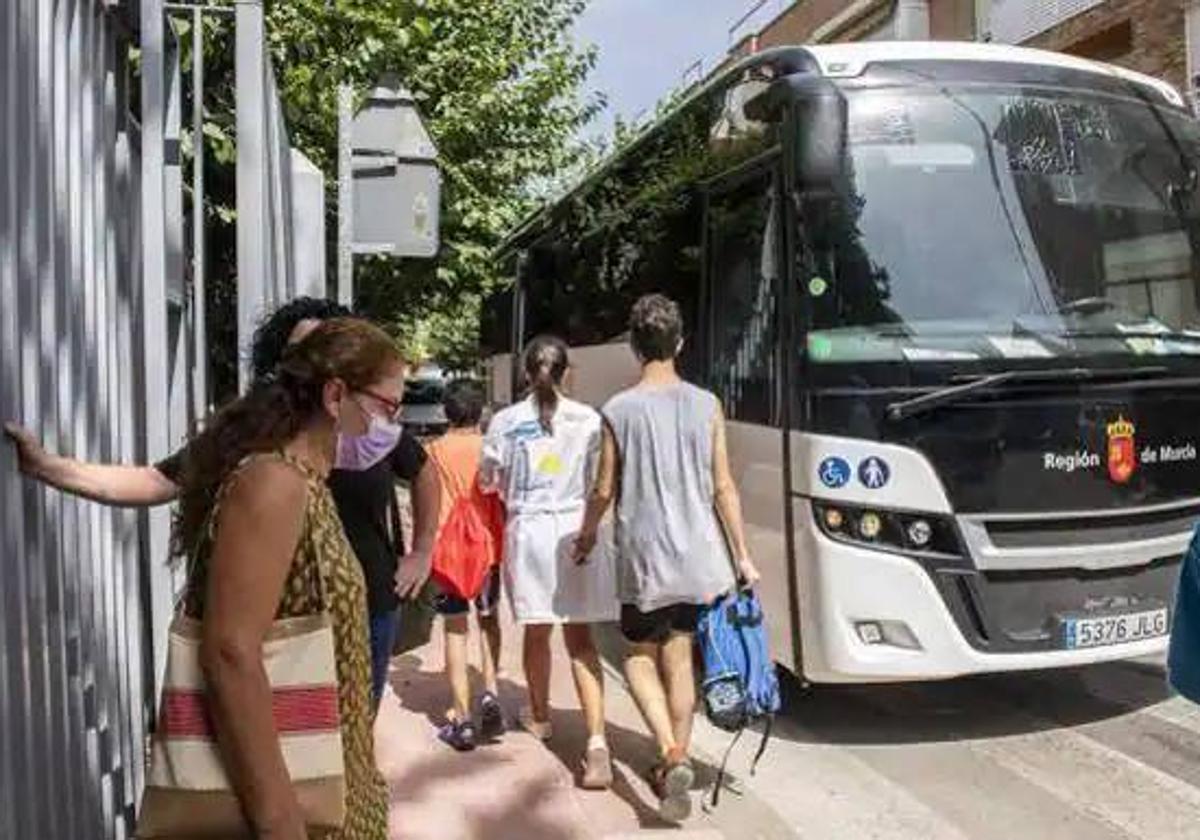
<point>834,472</point>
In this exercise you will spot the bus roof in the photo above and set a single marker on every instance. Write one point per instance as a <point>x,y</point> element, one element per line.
<point>846,61</point>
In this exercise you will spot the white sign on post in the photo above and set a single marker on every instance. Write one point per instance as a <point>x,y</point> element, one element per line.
<point>389,185</point>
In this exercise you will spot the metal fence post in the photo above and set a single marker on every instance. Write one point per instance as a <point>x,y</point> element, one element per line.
<point>200,401</point>
<point>251,222</point>
<point>152,315</point>
<point>345,197</point>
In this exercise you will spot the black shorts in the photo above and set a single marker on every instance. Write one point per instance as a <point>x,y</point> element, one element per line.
<point>485,601</point>
<point>658,625</point>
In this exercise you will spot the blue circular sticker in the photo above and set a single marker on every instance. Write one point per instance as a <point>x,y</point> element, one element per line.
<point>874,473</point>
<point>834,472</point>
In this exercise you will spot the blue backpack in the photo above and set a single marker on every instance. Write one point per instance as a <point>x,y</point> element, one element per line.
<point>740,686</point>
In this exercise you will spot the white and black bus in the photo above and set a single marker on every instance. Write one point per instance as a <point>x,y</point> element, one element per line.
<point>949,296</point>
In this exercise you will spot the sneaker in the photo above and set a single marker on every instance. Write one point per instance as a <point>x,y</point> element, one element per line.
<point>597,769</point>
<point>540,729</point>
<point>460,735</point>
<point>672,784</point>
<point>491,716</point>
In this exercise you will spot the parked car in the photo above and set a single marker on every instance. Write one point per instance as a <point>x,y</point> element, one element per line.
<point>423,394</point>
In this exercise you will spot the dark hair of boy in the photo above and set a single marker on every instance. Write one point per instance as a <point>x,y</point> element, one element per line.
<point>274,331</point>
<point>655,327</point>
<point>463,403</point>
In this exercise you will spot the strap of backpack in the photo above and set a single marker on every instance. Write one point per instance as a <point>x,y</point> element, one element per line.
<point>762,745</point>
<point>720,782</point>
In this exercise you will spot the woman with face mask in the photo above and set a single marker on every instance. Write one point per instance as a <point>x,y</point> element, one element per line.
<point>262,538</point>
<point>368,508</point>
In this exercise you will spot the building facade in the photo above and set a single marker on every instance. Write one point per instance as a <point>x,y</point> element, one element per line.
<point>1158,37</point>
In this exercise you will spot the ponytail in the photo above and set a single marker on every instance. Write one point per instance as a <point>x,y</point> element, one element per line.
<point>546,364</point>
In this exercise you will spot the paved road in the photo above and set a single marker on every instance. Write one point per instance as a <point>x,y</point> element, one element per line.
<point>1097,754</point>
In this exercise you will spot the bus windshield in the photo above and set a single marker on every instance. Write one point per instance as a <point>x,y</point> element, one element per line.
<point>984,221</point>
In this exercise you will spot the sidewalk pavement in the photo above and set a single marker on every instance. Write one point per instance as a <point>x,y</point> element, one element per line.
<point>519,788</point>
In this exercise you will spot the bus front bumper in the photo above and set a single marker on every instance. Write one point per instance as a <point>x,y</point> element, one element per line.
<point>852,596</point>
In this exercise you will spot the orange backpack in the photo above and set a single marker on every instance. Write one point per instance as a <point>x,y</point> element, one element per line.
<point>468,545</point>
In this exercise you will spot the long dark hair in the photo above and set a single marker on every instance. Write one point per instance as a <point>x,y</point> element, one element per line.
<point>274,332</point>
<point>546,364</point>
<point>275,409</point>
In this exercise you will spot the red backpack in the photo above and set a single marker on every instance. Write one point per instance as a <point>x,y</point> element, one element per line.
<point>469,543</point>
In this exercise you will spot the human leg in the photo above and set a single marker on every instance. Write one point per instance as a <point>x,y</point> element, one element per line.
<point>536,662</point>
<point>383,634</point>
<point>456,665</point>
<point>677,673</point>
<point>491,716</point>
<point>648,633</point>
<point>486,606</point>
<point>679,682</point>
<point>589,686</point>
<point>459,729</point>
<point>588,675</point>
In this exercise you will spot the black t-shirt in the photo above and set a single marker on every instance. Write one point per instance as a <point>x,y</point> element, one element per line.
<point>364,502</point>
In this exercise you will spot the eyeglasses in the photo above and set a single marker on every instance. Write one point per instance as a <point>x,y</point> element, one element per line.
<point>394,407</point>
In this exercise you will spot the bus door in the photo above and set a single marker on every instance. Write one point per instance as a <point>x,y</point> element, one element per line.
<point>743,306</point>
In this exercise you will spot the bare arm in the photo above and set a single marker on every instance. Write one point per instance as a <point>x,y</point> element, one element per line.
<point>601,496</point>
<point>427,504</point>
<point>491,461</point>
<point>109,484</point>
<point>258,528</point>
<point>729,503</point>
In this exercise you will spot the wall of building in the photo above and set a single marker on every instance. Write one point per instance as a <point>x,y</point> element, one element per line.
<point>952,20</point>
<point>1144,35</point>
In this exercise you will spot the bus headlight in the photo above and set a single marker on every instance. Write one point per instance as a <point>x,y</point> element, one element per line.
<point>870,526</point>
<point>920,532</point>
<point>911,533</point>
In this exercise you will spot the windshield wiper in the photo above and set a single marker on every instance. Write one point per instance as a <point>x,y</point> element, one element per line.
<point>957,393</point>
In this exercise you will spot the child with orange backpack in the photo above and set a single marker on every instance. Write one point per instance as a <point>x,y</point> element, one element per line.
<point>466,560</point>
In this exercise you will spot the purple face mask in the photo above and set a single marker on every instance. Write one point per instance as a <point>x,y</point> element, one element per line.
<point>361,452</point>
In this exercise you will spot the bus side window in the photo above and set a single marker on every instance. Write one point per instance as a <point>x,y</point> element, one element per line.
<point>743,274</point>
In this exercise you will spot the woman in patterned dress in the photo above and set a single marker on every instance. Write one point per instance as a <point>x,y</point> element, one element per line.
<point>260,531</point>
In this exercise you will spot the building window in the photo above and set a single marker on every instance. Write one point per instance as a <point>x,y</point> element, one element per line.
<point>1016,21</point>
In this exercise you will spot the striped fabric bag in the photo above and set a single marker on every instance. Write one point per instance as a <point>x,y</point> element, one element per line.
<point>188,793</point>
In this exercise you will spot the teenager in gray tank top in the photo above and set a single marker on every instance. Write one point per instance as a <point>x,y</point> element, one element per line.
<point>665,463</point>
<point>669,546</point>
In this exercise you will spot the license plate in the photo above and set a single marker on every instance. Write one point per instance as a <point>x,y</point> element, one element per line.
<point>1080,632</point>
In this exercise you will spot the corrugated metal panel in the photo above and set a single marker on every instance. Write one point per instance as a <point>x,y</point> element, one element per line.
<point>75,681</point>
<point>1016,21</point>
<point>267,192</point>
<point>94,337</point>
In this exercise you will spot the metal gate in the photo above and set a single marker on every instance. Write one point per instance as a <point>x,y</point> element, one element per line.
<point>100,356</point>
<point>73,326</point>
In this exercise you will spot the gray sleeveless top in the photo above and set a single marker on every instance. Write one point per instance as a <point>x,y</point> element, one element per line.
<point>669,544</point>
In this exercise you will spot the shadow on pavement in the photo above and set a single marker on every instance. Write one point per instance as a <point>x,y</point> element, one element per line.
<point>967,708</point>
<point>521,817</point>
<point>426,693</point>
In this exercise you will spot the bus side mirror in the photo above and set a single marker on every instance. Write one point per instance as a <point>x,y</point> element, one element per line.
<point>813,112</point>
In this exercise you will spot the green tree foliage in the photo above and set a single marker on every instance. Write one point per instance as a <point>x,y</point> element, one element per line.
<point>498,82</point>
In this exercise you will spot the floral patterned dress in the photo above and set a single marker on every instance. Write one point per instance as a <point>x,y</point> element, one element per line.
<point>323,546</point>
